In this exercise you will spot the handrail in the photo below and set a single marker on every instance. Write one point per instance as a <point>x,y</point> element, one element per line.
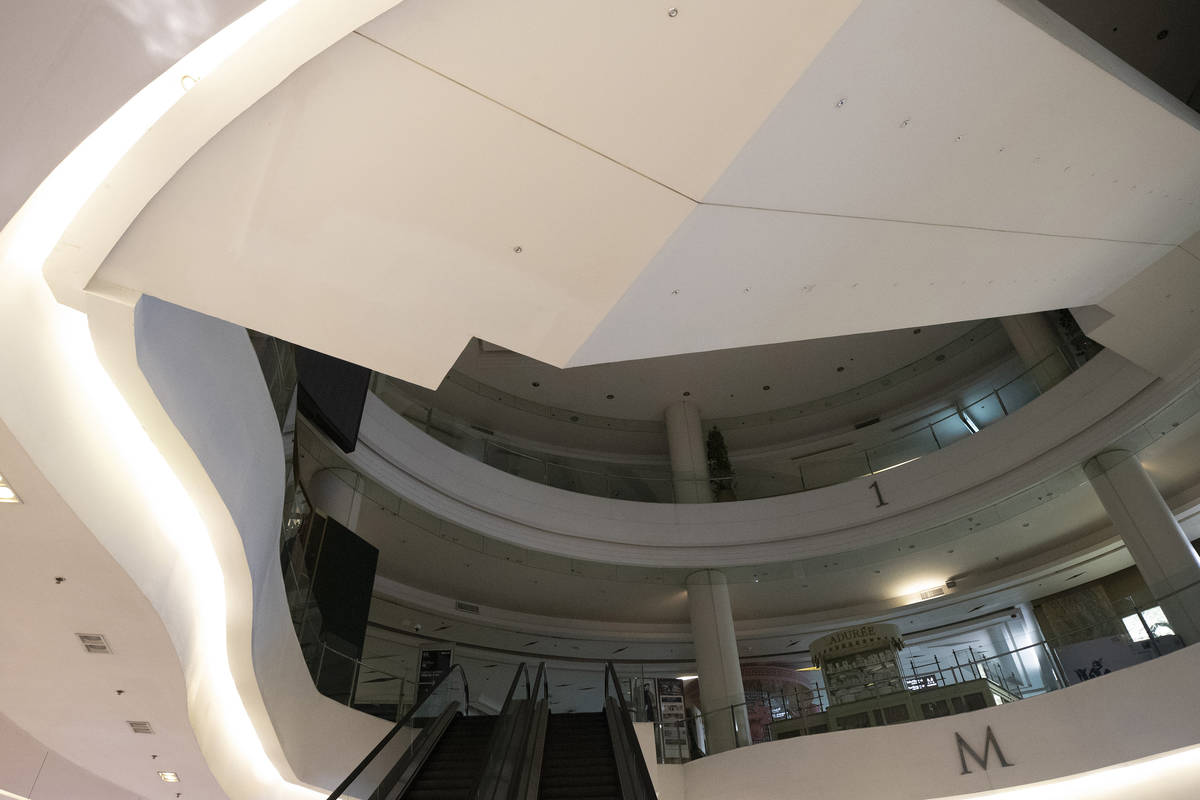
<point>400,724</point>
<point>506,766</point>
<point>657,484</point>
<point>642,784</point>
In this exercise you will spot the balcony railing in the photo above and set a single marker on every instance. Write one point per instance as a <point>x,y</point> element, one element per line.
<point>655,484</point>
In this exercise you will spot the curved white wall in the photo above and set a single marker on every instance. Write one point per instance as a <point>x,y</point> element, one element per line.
<point>205,374</point>
<point>1084,413</point>
<point>1143,712</point>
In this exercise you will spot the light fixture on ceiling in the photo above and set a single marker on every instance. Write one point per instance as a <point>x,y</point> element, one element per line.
<point>686,677</point>
<point>169,777</point>
<point>966,418</point>
<point>807,669</point>
<point>7,494</point>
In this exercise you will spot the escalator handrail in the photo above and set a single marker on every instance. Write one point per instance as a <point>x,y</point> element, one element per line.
<point>400,724</point>
<point>644,784</point>
<point>517,725</point>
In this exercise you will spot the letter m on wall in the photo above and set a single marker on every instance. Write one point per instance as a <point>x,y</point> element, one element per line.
<point>965,750</point>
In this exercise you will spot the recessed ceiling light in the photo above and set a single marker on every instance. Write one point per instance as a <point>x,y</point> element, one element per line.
<point>169,777</point>
<point>766,388</point>
<point>7,495</point>
<point>686,677</point>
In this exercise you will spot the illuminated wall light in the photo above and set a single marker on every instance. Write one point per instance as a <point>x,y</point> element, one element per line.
<point>7,495</point>
<point>893,466</point>
<point>25,244</point>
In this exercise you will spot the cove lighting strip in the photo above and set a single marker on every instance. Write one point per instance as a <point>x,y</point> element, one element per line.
<point>25,244</point>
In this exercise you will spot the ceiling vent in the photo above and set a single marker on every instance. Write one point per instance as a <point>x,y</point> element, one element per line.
<point>94,643</point>
<point>470,608</point>
<point>139,726</point>
<point>936,591</point>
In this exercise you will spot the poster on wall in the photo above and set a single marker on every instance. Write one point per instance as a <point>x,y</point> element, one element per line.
<point>1083,661</point>
<point>432,663</point>
<point>672,714</point>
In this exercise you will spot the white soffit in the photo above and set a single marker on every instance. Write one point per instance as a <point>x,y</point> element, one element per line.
<point>1007,129</point>
<point>940,160</point>
<point>371,209</point>
<point>670,96</point>
<point>733,277</point>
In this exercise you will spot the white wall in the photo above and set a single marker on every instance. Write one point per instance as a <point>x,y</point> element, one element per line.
<point>1129,715</point>
<point>205,374</point>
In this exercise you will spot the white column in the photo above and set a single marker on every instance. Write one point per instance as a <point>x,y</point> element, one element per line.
<point>1036,660</point>
<point>689,458</point>
<point>1161,550</point>
<point>1036,343</point>
<point>722,698</point>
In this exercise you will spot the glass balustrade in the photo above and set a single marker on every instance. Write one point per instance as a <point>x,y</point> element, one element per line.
<point>653,483</point>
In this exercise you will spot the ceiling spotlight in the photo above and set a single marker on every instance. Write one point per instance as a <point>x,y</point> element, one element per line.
<point>169,777</point>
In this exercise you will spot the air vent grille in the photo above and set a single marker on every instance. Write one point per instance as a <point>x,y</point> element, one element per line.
<point>470,608</point>
<point>139,726</point>
<point>929,594</point>
<point>94,643</point>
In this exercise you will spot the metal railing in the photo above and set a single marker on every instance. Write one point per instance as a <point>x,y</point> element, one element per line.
<point>1133,635</point>
<point>655,483</point>
<point>632,772</point>
<point>397,756</point>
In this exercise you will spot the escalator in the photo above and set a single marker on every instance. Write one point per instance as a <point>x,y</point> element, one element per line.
<point>579,761</point>
<point>440,751</point>
<point>455,765</point>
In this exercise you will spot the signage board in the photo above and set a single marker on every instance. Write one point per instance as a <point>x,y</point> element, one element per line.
<point>432,663</point>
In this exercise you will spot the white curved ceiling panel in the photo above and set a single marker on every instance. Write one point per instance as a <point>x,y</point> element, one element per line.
<point>373,209</point>
<point>963,112</point>
<point>674,97</point>
<point>732,277</point>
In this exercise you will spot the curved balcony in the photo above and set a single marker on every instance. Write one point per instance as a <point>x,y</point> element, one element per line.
<point>650,480</point>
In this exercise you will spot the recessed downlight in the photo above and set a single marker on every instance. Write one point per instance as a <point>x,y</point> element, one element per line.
<point>169,777</point>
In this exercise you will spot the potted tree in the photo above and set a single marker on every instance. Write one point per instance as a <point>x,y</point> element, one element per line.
<point>720,470</point>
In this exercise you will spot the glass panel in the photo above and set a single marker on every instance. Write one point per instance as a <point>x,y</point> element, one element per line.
<point>903,450</point>
<point>949,430</point>
<point>1019,392</point>
<point>985,411</point>
<point>828,470</point>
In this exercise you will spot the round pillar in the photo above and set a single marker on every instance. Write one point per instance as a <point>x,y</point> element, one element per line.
<point>1160,549</point>
<point>722,697</point>
<point>1037,345</point>
<point>689,458</point>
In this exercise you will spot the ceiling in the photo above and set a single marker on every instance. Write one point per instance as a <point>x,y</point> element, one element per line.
<point>805,171</point>
<point>723,383</point>
<point>62,695</point>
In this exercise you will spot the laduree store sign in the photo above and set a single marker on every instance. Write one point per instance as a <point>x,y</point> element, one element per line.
<point>860,639</point>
